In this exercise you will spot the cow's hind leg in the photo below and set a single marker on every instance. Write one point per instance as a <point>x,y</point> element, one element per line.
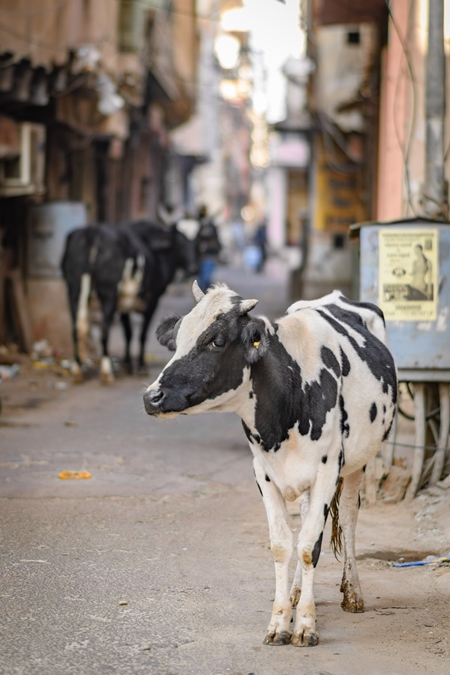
<point>108,303</point>
<point>348,515</point>
<point>309,547</point>
<point>278,631</point>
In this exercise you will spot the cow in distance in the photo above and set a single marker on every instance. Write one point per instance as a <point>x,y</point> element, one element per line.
<point>128,268</point>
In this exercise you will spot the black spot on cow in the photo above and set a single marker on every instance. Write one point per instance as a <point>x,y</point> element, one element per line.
<point>251,395</point>
<point>319,398</point>
<point>326,509</point>
<point>365,305</point>
<point>247,431</point>
<point>316,550</point>
<point>373,412</point>
<point>259,488</point>
<point>253,438</point>
<point>300,404</point>
<point>345,363</point>
<point>330,360</point>
<point>374,353</point>
<point>341,460</point>
<point>364,468</point>
<point>267,478</point>
<point>388,430</point>
<point>345,426</point>
<point>324,459</point>
<point>384,409</point>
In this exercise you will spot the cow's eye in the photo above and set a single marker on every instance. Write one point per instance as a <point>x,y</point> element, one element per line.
<point>218,343</point>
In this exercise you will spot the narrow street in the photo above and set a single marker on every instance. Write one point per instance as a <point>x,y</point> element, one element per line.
<point>159,563</point>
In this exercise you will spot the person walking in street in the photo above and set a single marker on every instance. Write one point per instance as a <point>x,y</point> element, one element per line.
<point>209,247</point>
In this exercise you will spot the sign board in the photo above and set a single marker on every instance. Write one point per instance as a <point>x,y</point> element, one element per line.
<point>337,192</point>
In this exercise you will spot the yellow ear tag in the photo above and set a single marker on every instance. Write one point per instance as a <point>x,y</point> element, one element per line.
<point>256,344</point>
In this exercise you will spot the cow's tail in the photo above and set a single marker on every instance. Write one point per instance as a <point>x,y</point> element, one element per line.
<point>336,530</point>
<point>92,246</point>
<point>77,265</point>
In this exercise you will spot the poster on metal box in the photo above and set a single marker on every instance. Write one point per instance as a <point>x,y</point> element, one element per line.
<point>408,273</point>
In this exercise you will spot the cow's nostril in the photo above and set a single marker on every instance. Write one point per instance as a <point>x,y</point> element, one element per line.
<point>155,396</point>
<point>152,400</point>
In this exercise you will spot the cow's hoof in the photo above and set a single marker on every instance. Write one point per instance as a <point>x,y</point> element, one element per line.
<point>354,606</point>
<point>277,639</point>
<point>310,639</point>
<point>127,367</point>
<point>107,378</point>
<point>77,374</point>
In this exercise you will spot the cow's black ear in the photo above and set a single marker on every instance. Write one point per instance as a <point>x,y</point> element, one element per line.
<point>255,340</point>
<point>166,333</point>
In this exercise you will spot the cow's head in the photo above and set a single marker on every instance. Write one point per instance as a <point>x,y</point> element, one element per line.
<point>186,255</point>
<point>215,345</point>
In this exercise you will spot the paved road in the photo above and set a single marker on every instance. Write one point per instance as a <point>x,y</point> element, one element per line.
<point>159,563</point>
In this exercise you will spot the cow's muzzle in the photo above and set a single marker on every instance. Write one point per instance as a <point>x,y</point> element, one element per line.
<point>153,399</point>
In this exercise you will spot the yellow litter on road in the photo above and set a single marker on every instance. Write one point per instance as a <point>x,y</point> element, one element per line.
<point>74,475</point>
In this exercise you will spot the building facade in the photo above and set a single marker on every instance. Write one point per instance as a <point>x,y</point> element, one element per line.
<point>89,91</point>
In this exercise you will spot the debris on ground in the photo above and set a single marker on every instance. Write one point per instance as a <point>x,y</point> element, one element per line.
<point>74,475</point>
<point>42,349</point>
<point>9,372</point>
<point>394,487</point>
<point>429,560</point>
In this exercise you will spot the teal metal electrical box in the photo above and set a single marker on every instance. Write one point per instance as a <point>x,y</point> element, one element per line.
<point>404,268</point>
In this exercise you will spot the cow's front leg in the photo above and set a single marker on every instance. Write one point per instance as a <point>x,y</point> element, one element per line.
<point>278,631</point>
<point>147,317</point>
<point>296,584</point>
<point>108,302</point>
<point>309,547</point>
<point>128,333</point>
<point>348,515</point>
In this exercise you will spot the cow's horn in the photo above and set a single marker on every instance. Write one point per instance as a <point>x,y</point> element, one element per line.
<point>197,292</point>
<point>247,306</point>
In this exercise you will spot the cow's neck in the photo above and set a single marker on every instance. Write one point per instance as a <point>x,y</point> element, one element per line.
<point>167,268</point>
<point>276,385</point>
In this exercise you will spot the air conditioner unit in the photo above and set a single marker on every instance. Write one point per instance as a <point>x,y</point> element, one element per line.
<point>24,173</point>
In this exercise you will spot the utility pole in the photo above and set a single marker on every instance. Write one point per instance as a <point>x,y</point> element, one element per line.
<point>435,196</point>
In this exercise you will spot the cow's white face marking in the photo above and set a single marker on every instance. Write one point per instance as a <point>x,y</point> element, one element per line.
<point>215,303</point>
<point>189,227</point>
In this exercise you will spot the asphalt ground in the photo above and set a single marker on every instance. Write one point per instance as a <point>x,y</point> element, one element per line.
<point>159,563</point>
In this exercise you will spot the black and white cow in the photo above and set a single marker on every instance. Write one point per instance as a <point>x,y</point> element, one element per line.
<point>316,391</point>
<point>129,268</point>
